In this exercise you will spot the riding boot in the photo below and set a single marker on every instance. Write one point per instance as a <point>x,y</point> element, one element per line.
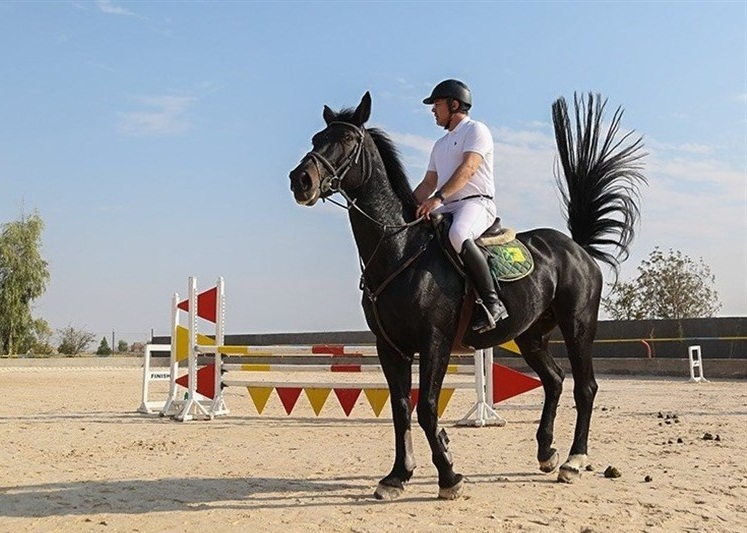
<point>479,273</point>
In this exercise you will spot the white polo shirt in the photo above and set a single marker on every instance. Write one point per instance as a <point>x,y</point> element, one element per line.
<point>448,152</point>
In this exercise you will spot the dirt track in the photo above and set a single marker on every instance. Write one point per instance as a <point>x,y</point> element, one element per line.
<point>78,458</point>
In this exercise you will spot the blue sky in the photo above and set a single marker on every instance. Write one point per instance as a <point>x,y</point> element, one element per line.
<point>155,138</point>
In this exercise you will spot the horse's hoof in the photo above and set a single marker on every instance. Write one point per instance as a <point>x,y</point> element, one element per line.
<point>451,493</point>
<point>570,471</point>
<point>568,474</point>
<point>387,492</point>
<point>551,464</point>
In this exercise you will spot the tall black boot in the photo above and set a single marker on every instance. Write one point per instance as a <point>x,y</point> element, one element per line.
<point>479,274</point>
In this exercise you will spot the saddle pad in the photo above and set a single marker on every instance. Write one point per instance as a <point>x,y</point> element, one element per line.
<point>510,261</point>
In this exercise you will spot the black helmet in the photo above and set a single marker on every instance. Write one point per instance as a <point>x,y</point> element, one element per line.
<point>451,88</point>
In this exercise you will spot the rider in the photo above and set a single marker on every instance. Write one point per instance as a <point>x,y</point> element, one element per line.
<point>459,180</point>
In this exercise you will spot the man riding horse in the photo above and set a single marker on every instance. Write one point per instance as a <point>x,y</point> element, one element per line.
<point>459,180</point>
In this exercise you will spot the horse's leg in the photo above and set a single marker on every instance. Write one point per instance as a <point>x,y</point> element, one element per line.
<point>579,335</point>
<point>434,361</point>
<point>398,373</point>
<point>533,345</point>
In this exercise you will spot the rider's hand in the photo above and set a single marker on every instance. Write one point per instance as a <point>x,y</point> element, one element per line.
<point>428,206</point>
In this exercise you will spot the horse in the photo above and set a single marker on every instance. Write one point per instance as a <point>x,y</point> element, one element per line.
<point>412,293</point>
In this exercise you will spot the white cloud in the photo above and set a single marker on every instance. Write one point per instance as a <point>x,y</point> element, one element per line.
<point>106,6</point>
<point>165,116</point>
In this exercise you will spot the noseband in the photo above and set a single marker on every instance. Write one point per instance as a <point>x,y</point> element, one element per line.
<point>333,181</point>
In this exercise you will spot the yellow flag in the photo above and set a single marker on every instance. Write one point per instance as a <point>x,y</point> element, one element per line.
<point>377,398</point>
<point>317,397</point>
<point>259,396</point>
<point>443,400</point>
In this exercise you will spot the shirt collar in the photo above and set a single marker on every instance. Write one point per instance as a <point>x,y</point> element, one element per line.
<point>461,123</point>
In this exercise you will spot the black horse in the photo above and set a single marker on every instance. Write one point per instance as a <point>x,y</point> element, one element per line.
<point>412,294</point>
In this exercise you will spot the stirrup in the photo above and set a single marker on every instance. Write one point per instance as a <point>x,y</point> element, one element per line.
<point>492,320</point>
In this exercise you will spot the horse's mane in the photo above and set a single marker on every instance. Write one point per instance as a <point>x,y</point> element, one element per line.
<point>389,153</point>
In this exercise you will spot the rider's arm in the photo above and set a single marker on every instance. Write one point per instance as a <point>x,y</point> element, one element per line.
<point>426,187</point>
<point>463,173</point>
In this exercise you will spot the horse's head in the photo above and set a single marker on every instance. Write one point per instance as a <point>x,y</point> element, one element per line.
<point>336,160</point>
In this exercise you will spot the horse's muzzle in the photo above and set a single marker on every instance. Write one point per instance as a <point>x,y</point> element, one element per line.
<point>304,184</point>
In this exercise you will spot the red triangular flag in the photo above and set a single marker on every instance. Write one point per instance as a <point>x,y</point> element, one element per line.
<point>347,399</point>
<point>206,304</point>
<point>289,397</point>
<point>183,381</point>
<point>508,383</point>
<point>414,395</point>
<point>205,381</point>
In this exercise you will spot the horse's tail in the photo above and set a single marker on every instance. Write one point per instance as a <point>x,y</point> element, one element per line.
<point>601,186</point>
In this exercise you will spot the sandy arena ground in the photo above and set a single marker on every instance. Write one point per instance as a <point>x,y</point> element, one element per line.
<point>78,458</point>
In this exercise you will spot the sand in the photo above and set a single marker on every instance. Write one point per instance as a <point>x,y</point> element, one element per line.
<point>77,457</point>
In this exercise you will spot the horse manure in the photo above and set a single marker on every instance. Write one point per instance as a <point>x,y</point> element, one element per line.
<point>707,436</point>
<point>680,441</point>
<point>612,472</point>
<point>718,438</point>
<point>648,479</point>
<point>589,468</point>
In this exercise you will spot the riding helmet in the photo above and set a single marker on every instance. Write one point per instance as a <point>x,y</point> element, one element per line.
<point>451,88</point>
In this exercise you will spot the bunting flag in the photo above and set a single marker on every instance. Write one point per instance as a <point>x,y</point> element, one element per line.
<point>414,397</point>
<point>347,399</point>
<point>206,304</point>
<point>288,397</point>
<point>376,399</point>
<point>443,400</point>
<point>508,383</point>
<point>317,397</point>
<point>259,396</point>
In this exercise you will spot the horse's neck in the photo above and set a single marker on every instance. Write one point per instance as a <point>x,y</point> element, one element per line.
<point>382,249</point>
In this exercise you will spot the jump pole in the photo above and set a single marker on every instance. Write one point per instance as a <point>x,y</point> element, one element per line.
<point>173,405</point>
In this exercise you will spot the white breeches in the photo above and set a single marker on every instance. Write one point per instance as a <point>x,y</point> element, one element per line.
<point>471,218</point>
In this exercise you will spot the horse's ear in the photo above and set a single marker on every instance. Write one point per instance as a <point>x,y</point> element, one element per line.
<point>363,111</point>
<point>328,115</point>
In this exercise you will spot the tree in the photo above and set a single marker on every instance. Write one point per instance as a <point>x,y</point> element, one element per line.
<point>122,347</point>
<point>104,348</point>
<point>43,334</point>
<point>73,341</point>
<point>23,278</point>
<point>671,286</point>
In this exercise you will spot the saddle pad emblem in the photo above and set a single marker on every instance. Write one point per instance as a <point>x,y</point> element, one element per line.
<point>511,261</point>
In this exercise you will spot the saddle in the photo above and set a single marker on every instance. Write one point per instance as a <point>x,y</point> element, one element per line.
<point>508,258</point>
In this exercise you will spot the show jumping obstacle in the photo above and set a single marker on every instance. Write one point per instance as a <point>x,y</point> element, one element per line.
<point>206,377</point>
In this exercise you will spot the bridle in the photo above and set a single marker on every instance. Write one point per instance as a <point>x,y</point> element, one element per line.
<point>333,181</point>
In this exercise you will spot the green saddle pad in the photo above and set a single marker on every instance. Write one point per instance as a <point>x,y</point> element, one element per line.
<point>510,261</point>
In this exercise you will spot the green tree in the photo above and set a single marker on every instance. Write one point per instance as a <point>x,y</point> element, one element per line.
<point>73,341</point>
<point>104,348</point>
<point>670,286</point>
<point>23,278</point>
<point>123,347</point>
